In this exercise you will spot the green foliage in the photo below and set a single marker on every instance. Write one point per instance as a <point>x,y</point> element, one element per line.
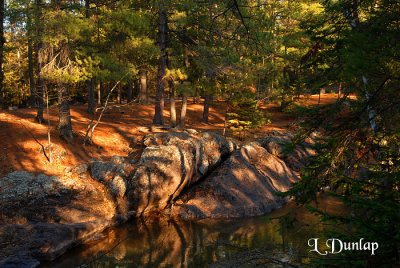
<point>359,166</point>
<point>369,188</point>
<point>177,75</point>
<point>236,125</point>
<point>244,111</point>
<point>219,46</point>
<point>14,75</point>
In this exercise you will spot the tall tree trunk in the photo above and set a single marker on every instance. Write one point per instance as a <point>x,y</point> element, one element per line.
<point>87,8</point>
<point>208,96</point>
<point>31,71</point>
<point>2,41</point>
<point>352,15</point>
<point>183,111</point>
<point>129,92</point>
<point>207,102</point>
<point>143,86</point>
<point>98,93</point>
<point>136,89</point>
<point>48,126</point>
<point>371,111</point>
<point>91,99</point>
<point>31,74</point>
<point>319,96</point>
<point>162,43</point>
<point>90,82</point>
<point>64,124</point>
<point>119,99</point>
<point>39,99</point>
<point>184,96</point>
<point>172,103</point>
<point>39,63</point>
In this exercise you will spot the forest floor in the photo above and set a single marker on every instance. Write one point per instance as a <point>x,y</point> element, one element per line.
<point>120,132</point>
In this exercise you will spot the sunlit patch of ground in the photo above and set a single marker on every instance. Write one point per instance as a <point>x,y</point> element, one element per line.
<point>22,138</point>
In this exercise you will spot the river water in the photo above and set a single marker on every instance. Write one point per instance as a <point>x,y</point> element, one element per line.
<point>267,241</point>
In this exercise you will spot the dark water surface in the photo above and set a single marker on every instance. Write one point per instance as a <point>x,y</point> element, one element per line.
<point>266,241</point>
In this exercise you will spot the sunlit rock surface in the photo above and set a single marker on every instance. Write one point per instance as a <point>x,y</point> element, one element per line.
<point>172,162</point>
<point>247,183</point>
<point>203,175</point>
<point>244,185</point>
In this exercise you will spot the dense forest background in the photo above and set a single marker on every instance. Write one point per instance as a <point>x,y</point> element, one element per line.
<point>241,51</point>
<point>78,50</point>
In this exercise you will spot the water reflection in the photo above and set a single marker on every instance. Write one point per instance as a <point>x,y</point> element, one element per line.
<point>281,236</point>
